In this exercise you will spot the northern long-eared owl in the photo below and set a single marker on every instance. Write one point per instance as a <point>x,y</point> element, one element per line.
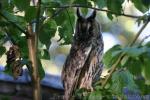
<point>83,65</point>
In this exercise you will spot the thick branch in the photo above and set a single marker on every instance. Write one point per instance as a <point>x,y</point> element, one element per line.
<point>36,80</point>
<point>122,55</point>
<point>32,57</point>
<point>85,6</point>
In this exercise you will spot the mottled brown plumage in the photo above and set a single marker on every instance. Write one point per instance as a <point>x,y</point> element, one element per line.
<point>83,65</point>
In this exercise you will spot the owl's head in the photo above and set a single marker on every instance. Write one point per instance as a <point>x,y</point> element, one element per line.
<point>86,27</point>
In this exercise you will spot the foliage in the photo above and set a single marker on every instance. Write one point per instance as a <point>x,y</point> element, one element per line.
<point>57,16</point>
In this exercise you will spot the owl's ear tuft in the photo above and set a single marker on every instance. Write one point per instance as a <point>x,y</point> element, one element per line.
<point>93,15</point>
<point>79,15</point>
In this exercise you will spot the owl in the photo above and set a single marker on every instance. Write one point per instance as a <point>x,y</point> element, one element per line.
<point>83,65</point>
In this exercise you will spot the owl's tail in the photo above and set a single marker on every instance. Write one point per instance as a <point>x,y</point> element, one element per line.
<point>69,94</point>
<point>70,88</point>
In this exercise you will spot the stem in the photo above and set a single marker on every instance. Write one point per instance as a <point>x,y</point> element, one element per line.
<point>122,55</point>
<point>85,6</point>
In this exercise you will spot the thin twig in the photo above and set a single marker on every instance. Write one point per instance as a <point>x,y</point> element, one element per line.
<point>85,6</point>
<point>122,55</point>
<point>139,32</point>
<point>146,37</point>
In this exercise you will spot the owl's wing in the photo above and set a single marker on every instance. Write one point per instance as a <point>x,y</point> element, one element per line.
<point>92,68</point>
<point>72,68</point>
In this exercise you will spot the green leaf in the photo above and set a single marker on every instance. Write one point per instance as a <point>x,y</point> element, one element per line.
<point>51,3</point>
<point>134,66</point>
<point>110,16</point>
<point>43,52</point>
<point>95,95</point>
<point>30,14</point>
<point>40,69</point>
<point>101,3</point>
<point>111,56</point>
<point>79,93</point>
<point>146,69</point>
<point>4,23</point>
<point>22,43</point>
<point>121,79</point>
<point>10,16</point>
<point>2,38</point>
<point>115,5</point>
<point>147,44</point>
<point>22,4</point>
<point>6,5</point>
<point>134,51</point>
<point>18,20</point>
<point>82,2</point>
<point>146,3</point>
<point>67,1</point>
<point>138,4</point>
<point>66,22</point>
<point>144,89</point>
<point>47,31</point>
<point>2,50</point>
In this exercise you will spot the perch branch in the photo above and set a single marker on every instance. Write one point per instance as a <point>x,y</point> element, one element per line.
<point>85,6</point>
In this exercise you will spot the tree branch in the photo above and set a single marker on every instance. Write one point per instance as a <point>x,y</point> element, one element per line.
<point>85,6</point>
<point>33,42</point>
<point>122,55</point>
